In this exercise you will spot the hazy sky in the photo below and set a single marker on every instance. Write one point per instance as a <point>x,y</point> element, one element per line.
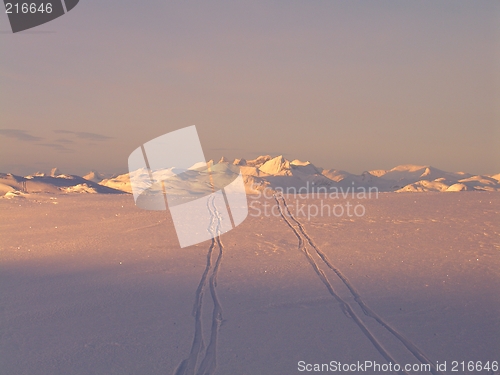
<point>354,85</point>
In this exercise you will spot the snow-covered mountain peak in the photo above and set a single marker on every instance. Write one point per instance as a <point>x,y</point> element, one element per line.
<point>271,172</point>
<point>277,166</point>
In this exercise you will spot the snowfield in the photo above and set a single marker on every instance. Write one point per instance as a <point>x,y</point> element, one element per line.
<point>90,284</point>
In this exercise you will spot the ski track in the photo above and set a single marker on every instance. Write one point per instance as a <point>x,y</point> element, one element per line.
<point>146,227</point>
<point>208,364</point>
<point>203,360</point>
<point>346,308</point>
<point>303,237</point>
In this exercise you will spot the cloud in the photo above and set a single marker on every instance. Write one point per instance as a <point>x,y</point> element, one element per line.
<point>20,135</point>
<point>56,147</point>
<point>64,140</point>
<point>85,135</point>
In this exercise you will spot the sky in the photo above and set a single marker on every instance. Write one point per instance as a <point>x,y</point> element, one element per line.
<point>352,85</point>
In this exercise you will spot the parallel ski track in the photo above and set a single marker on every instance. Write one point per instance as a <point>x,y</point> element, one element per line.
<point>303,237</point>
<point>194,364</point>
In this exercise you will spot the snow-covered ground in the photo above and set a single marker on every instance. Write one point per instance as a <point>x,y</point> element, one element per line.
<point>90,284</point>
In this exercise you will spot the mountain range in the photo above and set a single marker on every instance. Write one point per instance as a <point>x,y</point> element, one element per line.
<point>268,172</point>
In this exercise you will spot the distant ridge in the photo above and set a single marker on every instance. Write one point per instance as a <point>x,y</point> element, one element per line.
<point>280,173</point>
<point>17,186</point>
<point>267,172</point>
